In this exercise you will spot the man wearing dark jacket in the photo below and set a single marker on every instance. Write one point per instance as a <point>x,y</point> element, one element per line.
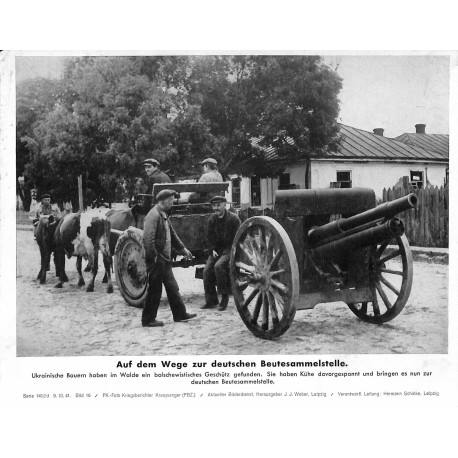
<point>159,238</point>
<point>154,174</point>
<point>222,227</point>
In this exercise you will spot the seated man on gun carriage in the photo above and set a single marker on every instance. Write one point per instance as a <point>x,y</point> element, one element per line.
<point>155,175</point>
<point>210,175</point>
<point>221,230</point>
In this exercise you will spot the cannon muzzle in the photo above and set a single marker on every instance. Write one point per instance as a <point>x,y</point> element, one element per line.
<point>387,210</point>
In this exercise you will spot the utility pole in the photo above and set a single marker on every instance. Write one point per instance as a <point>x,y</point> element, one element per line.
<point>80,192</point>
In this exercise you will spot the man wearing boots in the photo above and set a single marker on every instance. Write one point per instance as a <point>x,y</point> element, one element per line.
<point>221,230</point>
<point>158,239</point>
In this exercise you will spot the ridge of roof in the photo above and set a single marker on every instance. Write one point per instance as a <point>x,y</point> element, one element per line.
<point>434,142</point>
<point>361,144</point>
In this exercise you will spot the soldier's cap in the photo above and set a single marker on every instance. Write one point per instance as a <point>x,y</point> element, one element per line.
<point>209,160</point>
<point>217,199</point>
<point>165,194</point>
<point>46,196</point>
<point>150,161</point>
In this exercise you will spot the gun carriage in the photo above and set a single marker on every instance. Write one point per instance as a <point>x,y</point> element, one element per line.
<point>189,221</point>
<point>321,246</point>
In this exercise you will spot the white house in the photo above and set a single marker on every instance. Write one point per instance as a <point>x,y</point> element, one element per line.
<point>364,159</point>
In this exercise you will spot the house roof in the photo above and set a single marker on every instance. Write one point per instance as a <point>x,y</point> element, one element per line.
<point>269,151</point>
<point>360,144</point>
<point>431,142</point>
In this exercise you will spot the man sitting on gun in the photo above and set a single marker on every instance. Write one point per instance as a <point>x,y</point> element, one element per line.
<point>210,175</point>
<point>154,174</point>
<point>221,230</point>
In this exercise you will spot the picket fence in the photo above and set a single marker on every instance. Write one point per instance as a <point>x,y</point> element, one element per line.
<point>426,225</point>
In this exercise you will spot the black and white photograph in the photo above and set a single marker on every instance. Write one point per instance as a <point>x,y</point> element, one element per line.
<point>225,229</point>
<point>232,203</point>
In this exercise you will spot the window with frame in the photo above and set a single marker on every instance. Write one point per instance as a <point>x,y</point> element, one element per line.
<point>236,191</point>
<point>416,179</point>
<point>255,191</point>
<point>343,177</point>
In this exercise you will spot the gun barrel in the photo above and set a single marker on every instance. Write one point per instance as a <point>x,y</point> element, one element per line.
<point>384,211</point>
<point>394,227</point>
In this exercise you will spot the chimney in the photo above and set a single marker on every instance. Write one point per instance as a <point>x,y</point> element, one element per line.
<point>420,128</point>
<point>379,131</point>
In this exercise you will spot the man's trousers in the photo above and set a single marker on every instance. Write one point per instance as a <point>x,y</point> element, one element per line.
<point>158,274</point>
<point>216,273</point>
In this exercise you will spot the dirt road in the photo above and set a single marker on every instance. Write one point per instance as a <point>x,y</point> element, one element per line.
<point>70,322</point>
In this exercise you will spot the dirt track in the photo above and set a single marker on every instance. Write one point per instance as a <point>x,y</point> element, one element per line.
<point>69,321</point>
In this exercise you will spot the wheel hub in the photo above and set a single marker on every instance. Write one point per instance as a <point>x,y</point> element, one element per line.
<point>135,274</point>
<point>262,277</point>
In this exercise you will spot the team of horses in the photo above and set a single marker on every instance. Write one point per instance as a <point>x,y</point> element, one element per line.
<point>80,235</point>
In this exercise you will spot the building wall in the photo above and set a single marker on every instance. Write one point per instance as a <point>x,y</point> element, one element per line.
<point>245,197</point>
<point>372,175</point>
<point>436,174</point>
<point>268,188</point>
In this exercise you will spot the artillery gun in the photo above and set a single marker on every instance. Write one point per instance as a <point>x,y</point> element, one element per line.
<point>321,246</point>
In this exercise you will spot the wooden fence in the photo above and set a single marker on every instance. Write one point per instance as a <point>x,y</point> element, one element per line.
<point>427,224</point>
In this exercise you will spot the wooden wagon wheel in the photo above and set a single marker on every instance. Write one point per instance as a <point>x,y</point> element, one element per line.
<point>264,276</point>
<point>130,267</point>
<point>390,280</point>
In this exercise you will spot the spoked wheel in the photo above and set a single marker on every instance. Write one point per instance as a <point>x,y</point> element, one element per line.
<point>130,267</point>
<point>390,280</point>
<point>264,276</point>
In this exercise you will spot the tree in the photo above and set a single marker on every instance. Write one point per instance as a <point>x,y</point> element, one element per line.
<point>193,140</point>
<point>34,99</point>
<point>288,102</point>
<point>112,114</point>
<point>295,100</point>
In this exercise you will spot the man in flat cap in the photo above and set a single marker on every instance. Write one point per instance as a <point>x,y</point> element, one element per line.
<point>45,208</point>
<point>211,174</point>
<point>154,174</point>
<point>221,230</point>
<point>159,238</point>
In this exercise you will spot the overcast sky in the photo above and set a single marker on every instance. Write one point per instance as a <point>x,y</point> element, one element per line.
<point>392,92</point>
